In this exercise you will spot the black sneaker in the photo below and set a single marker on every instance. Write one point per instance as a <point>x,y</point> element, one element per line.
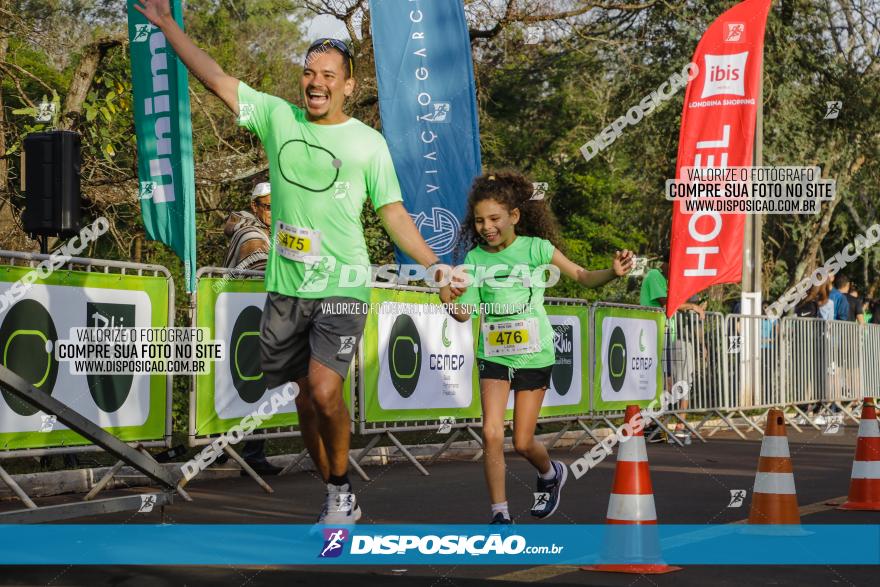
<point>500,519</point>
<point>262,468</point>
<point>549,491</point>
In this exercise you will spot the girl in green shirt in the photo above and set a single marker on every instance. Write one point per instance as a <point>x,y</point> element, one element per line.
<point>511,259</point>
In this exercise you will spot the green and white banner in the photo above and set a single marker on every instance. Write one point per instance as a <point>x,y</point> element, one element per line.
<point>570,378</point>
<point>131,407</point>
<point>164,138</point>
<point>629,344</point>
<point>418,362</point>
<point>231,309</point>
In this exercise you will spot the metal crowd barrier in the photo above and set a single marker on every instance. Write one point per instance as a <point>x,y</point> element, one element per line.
<point>133,453</point>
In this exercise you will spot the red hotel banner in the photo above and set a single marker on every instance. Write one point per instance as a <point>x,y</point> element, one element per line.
<point>717,130</point>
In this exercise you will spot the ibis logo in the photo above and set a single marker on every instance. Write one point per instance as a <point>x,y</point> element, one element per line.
<point>404,355</point>
<point>725,74</point>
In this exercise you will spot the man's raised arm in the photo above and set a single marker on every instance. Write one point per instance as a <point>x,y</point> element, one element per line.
<point>199,63</point>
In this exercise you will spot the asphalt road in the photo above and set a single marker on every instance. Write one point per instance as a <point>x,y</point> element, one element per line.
<point>692,486</point>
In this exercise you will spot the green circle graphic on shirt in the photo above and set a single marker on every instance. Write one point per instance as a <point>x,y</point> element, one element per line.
<point>24,336</point>
<point>303,164</point>
<point>404,355</point>
<point>617,358</point>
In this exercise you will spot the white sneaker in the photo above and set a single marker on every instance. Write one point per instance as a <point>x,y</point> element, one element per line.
<point>340,507</point>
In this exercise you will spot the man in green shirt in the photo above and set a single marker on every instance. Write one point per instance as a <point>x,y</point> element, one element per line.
<point>323,165</point>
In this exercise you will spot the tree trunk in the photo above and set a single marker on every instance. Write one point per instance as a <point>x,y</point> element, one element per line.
<point>82,81</point>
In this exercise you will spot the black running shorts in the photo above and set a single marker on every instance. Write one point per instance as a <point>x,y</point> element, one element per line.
<point>294,330</point>
<point>520,379</point>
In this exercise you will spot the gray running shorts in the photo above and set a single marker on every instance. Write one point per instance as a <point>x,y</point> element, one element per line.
<point>294,330</point>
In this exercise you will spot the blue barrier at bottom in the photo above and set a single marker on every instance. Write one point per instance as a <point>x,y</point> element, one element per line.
<point>531,544</point>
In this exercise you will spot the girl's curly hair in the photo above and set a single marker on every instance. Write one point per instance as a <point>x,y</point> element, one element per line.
<point>512,190</point>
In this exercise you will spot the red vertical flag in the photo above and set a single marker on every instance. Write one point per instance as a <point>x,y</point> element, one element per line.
<point>717,130</point>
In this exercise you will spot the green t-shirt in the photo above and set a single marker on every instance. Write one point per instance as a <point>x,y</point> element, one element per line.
<point>654,287</point>
<point>321,176</point>
<point>515,265</point>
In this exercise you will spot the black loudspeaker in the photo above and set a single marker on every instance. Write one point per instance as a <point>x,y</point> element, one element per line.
<point>52,197</point>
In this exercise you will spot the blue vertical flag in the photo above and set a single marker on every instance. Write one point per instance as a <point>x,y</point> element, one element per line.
<point>428,104</point>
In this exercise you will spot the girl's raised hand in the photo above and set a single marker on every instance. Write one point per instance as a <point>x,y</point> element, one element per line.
<point>623,262</point>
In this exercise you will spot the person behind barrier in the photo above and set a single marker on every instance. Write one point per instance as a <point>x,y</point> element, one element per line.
<point>248,234</point>
<point>855,304</point>
<point>838,296</point>
<point>810,361</point>
<point>323,167</point>
<point>653,294</point>
<point>508,231</point>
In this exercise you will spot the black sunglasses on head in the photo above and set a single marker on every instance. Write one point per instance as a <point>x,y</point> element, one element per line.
<point>336,44</point>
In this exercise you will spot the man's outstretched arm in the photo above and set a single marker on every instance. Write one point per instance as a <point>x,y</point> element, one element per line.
<point>199,63</point>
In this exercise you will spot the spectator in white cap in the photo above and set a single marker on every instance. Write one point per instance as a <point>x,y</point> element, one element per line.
<point>248,234</point>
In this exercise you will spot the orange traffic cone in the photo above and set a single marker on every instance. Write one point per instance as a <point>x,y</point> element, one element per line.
<point>774,500</point>
<point>864,487</point>
<point>632,503</point>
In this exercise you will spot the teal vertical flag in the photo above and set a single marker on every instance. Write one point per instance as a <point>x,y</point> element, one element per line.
<point>164,139</point>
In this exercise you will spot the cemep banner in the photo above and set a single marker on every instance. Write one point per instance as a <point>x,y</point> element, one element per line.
<point>628,345</point>
<point>164,139</point>
<point>428,105</point>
